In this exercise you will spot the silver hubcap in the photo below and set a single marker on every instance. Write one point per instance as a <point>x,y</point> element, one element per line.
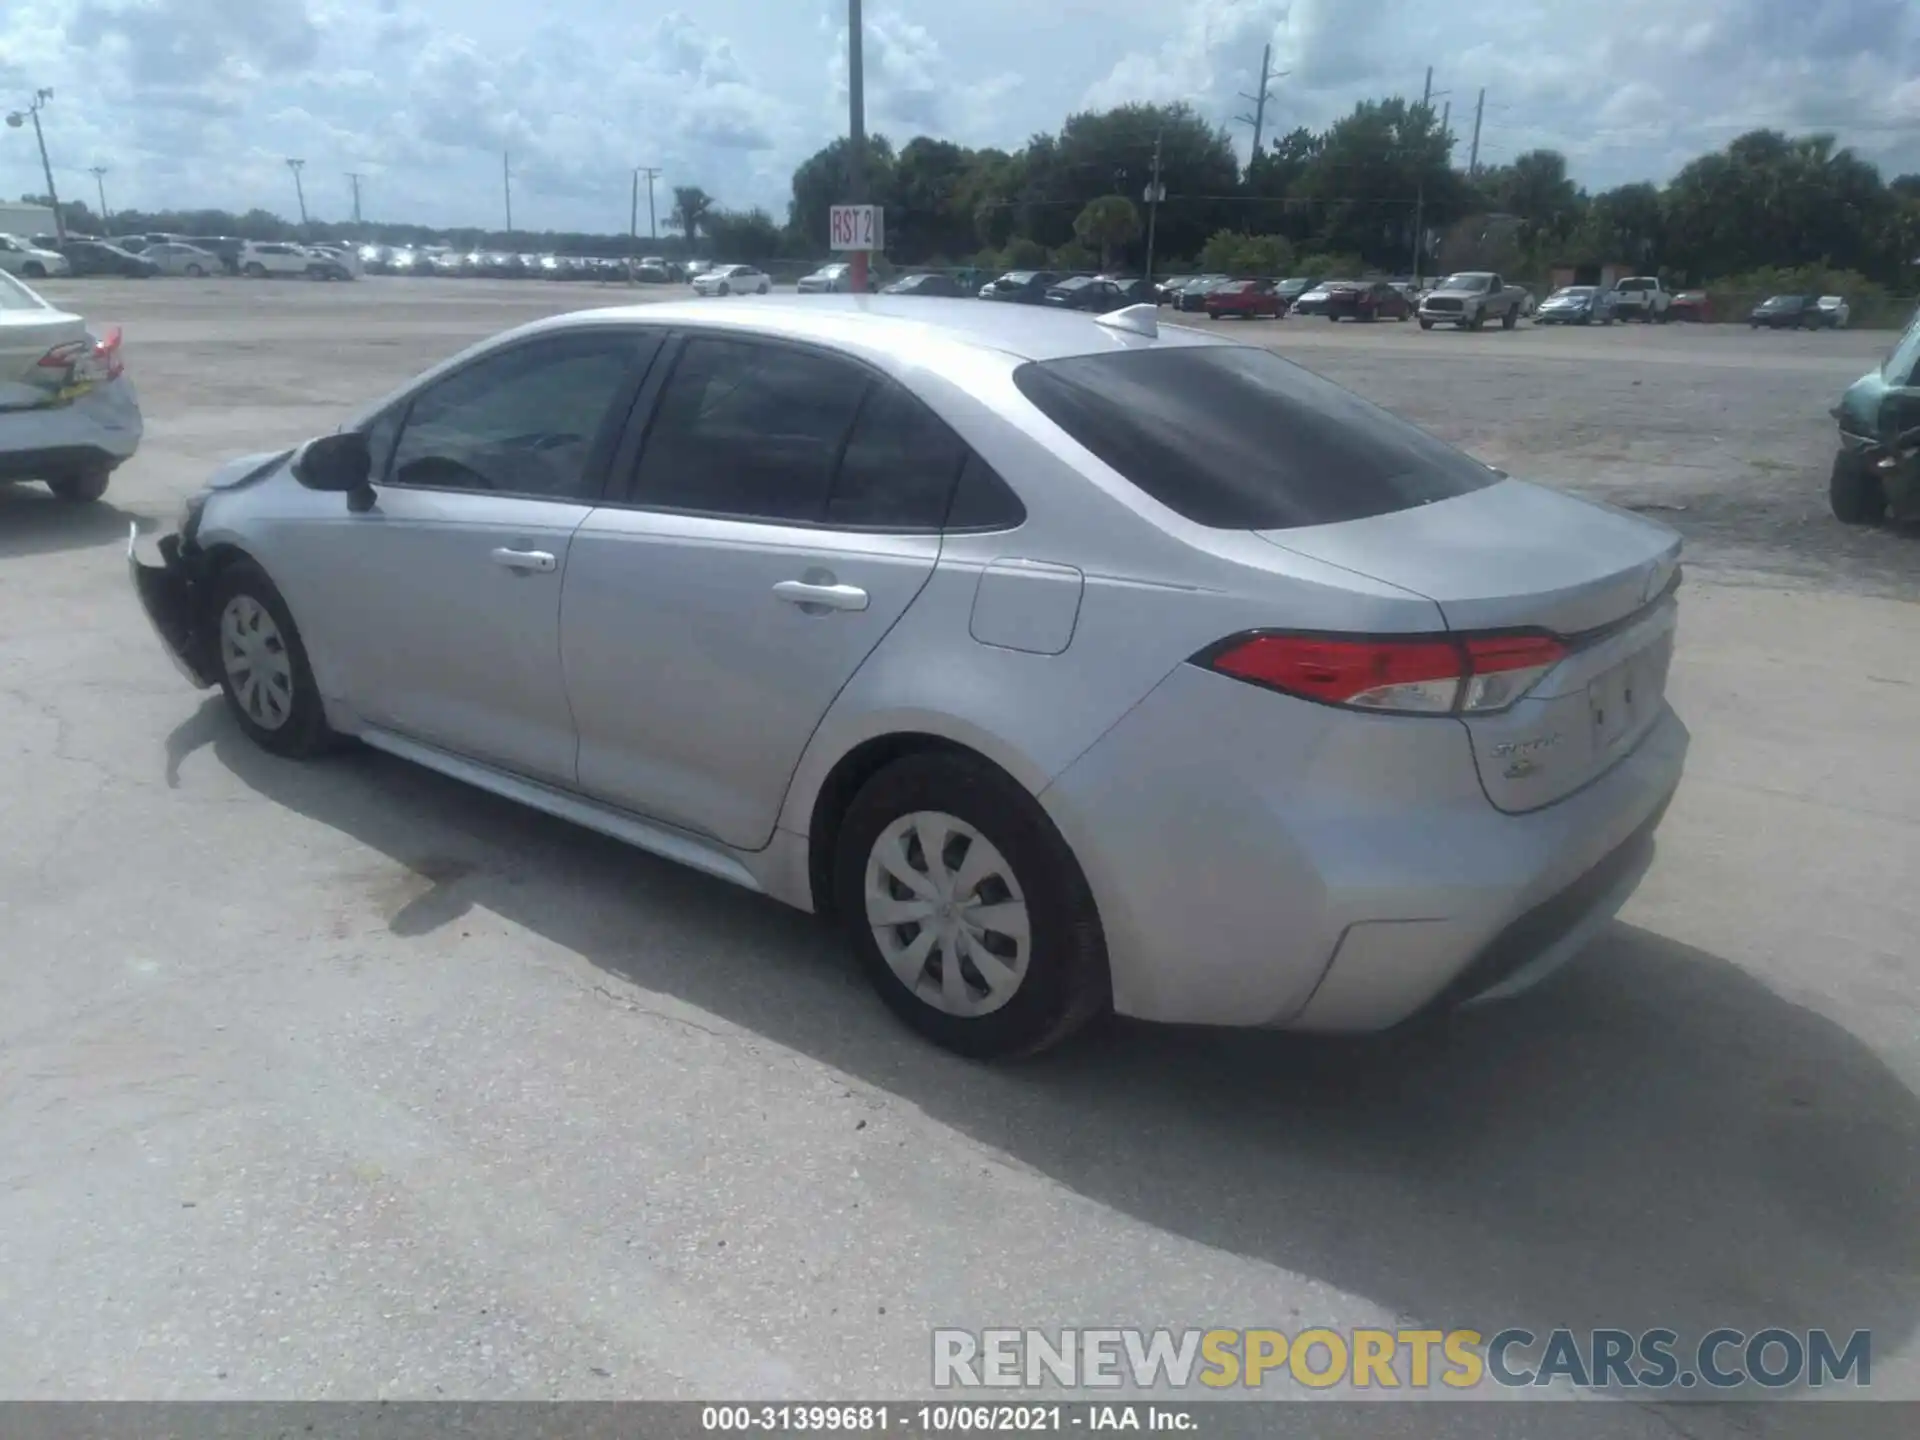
<point>947,913</point>
<point>256,660</point>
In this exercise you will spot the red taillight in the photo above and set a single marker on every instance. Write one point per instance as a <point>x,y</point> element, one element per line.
<point>1410,675</point>
<point>86,361</point>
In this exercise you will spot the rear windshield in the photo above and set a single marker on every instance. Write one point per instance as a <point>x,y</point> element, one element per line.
<point>1235,438</point>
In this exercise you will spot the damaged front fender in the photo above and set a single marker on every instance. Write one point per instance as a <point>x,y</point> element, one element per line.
<point>174,595</point>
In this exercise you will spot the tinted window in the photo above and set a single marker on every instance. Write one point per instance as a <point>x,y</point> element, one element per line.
<point>899,466</point>
<point>521,422</point>
<point>749,430</point>
<point>1236,438</point>
<point>1902,367</point>
<point>982,501</point>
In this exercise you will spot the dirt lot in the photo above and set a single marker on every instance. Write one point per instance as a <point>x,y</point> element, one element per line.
<point>342,1080</point>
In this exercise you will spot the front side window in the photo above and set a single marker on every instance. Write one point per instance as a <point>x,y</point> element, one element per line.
<point>520,422</point>
<point>1903,365</point>
<point>1236,438</point>
<point>749,430</point>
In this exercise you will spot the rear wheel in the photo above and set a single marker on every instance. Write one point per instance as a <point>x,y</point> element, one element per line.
<point>263,666</point>
<point>1855,492</point>
<point>254,270</point>
<point>967,909</point>
<point>81,488</point>
<point>195,271</point>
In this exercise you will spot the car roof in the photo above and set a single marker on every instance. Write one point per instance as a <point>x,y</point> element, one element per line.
<point>898,326</point>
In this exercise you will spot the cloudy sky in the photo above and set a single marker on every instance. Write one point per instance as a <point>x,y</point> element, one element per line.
<point>200,101</point>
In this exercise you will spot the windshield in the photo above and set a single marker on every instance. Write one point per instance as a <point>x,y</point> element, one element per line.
<point>1902,365</point>
<point>1018,277</point>
<point>15,296</point>
<point>1236,438</point>
<point>1572,292</point>
<point>1466,282</point>
<point>1780,302</point>
<point>1076,282</point>
<point>1295,287</point>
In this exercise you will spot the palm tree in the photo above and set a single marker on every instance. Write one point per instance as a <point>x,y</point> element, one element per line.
<point>691,206</point>
<point>1107,223</point>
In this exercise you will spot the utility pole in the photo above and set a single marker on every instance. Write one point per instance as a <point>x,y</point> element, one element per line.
<point>20,117</point>
<point>856,135</point>
<point>354,180</point>
<point>652,172</point>
<point>1473,155</point>
<point>1258,120</point>
<point>1156,192</point>
<point>99,173</point>
<point>299,190</point>
<point>1446,129</point>
<point>1426,91</point>
<point>506,187</point>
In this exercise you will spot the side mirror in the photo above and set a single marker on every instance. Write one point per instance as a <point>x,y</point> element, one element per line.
<point>340,464</point>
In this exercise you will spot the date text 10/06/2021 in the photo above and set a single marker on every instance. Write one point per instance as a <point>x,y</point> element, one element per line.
<point>946,1419</point>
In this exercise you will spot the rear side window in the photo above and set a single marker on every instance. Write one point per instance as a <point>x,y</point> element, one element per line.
<point>899,465</point>
<point>1235,438</point>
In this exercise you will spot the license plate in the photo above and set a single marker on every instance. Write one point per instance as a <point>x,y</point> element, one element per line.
<point>1627,695</point>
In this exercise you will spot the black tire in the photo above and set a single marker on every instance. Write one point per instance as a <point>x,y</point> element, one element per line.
<point>1511,319</point>
<point>195,271</point>
<point>723,290</point>
<point>254,270</point>
<point>34,270</point>
<point>1477,324</point>
<point>1855,492</point>
<point>82,487</point>
<point>763,289</point>
<point>1425,324</point>
<point>305,731</point>
<point>1066,982</point>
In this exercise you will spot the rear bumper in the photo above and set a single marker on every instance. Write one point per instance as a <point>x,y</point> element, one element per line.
<point>1260,861</point>
<point>101,429</point>
<point>173,595</point>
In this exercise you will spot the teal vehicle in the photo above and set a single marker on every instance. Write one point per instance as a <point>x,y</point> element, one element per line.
<point>1876,473</point>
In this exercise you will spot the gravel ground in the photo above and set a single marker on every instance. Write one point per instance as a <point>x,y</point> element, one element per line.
<point>344,1081</point>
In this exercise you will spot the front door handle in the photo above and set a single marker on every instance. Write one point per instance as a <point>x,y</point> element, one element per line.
<point>540,560</point>
<point>809,595</point>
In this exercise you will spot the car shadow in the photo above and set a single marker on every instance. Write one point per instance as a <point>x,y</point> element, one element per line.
<point>33,522</point>
<point>1654,1139</point>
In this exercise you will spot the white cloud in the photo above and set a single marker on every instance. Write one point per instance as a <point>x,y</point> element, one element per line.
<point>199,101</point>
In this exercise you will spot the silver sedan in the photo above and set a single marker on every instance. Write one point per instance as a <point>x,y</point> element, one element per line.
<point>1072,665</point>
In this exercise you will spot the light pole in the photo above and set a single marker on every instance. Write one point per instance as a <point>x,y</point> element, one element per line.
<point>299,190</point>
<point>99,173</point>
<point>20,117</point>
<point>856,136</point>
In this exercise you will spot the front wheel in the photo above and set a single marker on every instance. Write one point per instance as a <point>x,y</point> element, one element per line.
<point>195,271</point>
<point>967,909</point>
<point>1478,323</point>
<point>81,488</point>
<point>34,270</point>
<point>264,672</point>
<point>723,290</point>
<point>763,289</point>
<point>1509,320</point>
<point>1425,324</point>
<point>1855,492</point>
<point>254,270</point>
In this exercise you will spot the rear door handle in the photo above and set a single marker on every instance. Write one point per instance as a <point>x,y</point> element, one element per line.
<point>808,595</point>
<point>541,560</point>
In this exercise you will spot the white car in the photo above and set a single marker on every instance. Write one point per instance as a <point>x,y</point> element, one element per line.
<point>68,414</point>
<point>827,280</point>
<point>261,258</point>
<point>175,258</point>
<point>732,280</point>
<point>1834,311</point>
<point>334,262</point>
<point>23,257</point>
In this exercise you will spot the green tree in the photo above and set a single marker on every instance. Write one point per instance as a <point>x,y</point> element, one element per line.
<point>691,206</point>
<point>821,183</point>
<point>1373,172</point>
<point>1105,224</point>
<point>743,235</point>
<point>1535,187</point>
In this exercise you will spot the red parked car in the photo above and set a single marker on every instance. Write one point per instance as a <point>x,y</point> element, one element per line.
<point>1248,299</point>
<point>1365,300</point>
<point>1691,305</point>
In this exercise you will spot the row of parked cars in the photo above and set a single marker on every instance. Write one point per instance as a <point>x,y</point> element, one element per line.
<point>138,257</point>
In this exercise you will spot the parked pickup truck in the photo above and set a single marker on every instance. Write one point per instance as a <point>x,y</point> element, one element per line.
<point>1470,299</point>
<point>1642,297</point>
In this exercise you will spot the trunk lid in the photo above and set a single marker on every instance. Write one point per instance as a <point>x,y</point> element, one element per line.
<point>1517,556</point>
<point>25,336</point>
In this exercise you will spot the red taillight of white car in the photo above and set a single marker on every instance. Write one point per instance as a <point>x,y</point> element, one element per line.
<point>1403,675</point>
<point>85,362</point>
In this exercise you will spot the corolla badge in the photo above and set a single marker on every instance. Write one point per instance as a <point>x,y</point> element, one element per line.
<point>1519,755</point>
